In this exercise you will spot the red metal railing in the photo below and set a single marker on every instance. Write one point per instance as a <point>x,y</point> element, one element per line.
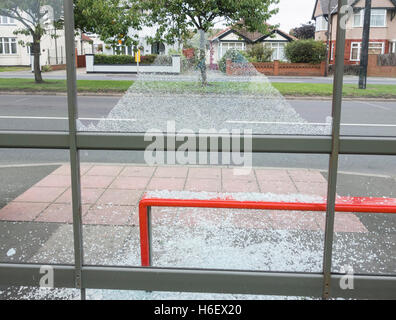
<point>343,204</point>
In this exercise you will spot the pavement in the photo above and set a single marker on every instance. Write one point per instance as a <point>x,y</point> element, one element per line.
<point>82,75</point>
<point>35,225</point>
<point>110,194</point>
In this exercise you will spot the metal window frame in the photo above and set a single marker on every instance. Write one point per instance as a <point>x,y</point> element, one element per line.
<point>322,285</point>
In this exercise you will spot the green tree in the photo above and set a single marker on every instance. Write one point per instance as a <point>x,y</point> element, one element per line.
<point>175,18</point>
<point>304,32</point>
<point>35,16</point>
<point>112,20</point>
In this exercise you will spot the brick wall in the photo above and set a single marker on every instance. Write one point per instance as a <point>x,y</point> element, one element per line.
<point>58,67</point>
<point>374,70</point>
<point>276,68</point>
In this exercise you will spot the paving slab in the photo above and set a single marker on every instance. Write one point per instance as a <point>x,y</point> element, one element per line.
<point>111,193</point>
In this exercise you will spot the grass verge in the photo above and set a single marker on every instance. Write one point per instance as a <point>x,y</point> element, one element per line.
<point>11,69</point>
<point>180,87</point>
<point>88,86</point>
<point>326,90</point>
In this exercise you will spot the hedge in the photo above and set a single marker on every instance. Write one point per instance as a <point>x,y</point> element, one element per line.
<point>306,51</point>
<point>123,59</point>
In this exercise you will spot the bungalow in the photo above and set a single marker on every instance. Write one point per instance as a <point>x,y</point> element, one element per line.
<point>232,38</point>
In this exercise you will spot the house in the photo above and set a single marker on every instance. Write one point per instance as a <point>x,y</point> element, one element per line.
<point>15,49</point>
<point>146,47</point>
<point>12,53</point>
<point>237,38</point>
<point>382,30</point>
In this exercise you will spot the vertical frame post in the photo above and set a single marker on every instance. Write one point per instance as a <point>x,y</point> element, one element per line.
<point>74,155</point>
<point>333,162</point>
<point>150,235</point>
<point>145,234</point>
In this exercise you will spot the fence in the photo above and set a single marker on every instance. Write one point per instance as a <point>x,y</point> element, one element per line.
<point>81,276</point>
<point>278,68</point>
<point>387,60</point>
<point>56,56</point>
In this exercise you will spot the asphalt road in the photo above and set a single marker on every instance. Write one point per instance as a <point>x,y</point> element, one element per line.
<point>50,113</point>
<point>24,112</point>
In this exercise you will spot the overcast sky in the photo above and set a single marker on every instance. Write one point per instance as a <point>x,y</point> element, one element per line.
<point>292,13</point>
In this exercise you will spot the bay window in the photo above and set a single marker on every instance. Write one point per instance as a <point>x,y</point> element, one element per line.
<point>225,46</point>
<point>374,48</point>
<point>278,50</point>
<point>321,24</point>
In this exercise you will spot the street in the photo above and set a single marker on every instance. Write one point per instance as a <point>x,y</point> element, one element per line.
<point>49,113</point>
<point>36,112</point>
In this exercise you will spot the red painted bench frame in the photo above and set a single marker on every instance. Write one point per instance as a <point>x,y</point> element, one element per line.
<point>343,204</point>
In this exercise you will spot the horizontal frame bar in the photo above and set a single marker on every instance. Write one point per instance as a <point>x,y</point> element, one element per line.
<point>343,204</point>
<point>260,144</point>
<point>204,281</point>
<point>19,274</point>
<point>31,139</point>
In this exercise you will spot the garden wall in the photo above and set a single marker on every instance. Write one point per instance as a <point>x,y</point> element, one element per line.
<point>175,68</point>
<point>277,68</point>
<point>58,67</point>
<point>374,69</point>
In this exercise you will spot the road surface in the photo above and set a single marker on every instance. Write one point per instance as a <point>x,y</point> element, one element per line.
<point>22,112</point>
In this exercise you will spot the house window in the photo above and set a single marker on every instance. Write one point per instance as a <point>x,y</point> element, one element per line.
<point>355,52</point>
<point>332,52</point>
<point>8,46</point>
<point>358,18</point>
<point>393,47</point>
<point>225,46</point>
<point>321,24</point>
<point>158,48</point>
<point>278,50</point>
<point>378,18</point>
<point>374,48</point>
<point>6,20</point>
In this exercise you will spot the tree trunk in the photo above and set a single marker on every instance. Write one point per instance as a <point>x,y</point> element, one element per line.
<point>202,57</point>
<point>36,53</point>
